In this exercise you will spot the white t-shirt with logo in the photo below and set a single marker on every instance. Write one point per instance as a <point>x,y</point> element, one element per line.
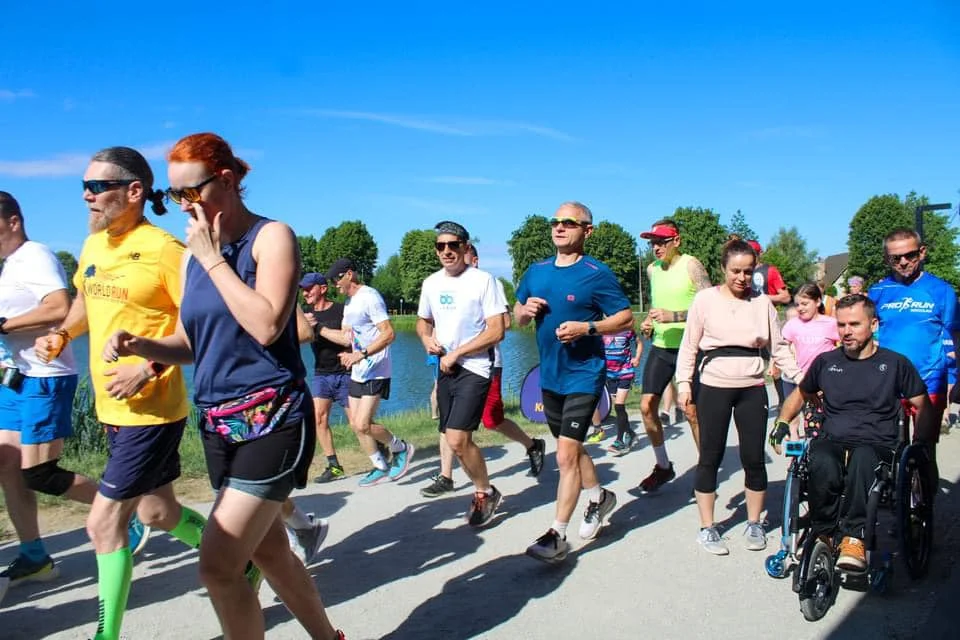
<point>30,274</point>
<point>362,313</point>
<point>459,307</point>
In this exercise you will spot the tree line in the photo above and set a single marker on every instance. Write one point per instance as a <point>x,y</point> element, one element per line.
<point>399,277</point>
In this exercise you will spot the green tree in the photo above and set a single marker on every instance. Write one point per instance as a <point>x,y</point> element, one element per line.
<point>787,251</point>
<point>510,291</point>
<point>882,213</point>
<point>418,259</point>
<point>69,264</point>
<point>349,239</point>
<point>738,225</point>
<point>647,257</point>
<point>703,237</point>
<point>528,243</point>
<point>611,244</point>
<point>309,257</point>
<point>387,280</point>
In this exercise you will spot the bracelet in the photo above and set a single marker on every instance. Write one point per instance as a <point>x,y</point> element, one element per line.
<point>155,368</point>
<point>216,265</point>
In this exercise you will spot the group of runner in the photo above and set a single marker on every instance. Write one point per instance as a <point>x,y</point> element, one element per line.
<point>227,303</point>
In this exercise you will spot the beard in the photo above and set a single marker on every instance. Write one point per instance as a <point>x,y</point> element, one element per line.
<point>98,221</point>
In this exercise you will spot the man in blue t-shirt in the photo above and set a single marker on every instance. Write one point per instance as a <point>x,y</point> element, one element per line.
<point>916,311</point>
<point>574,300</point>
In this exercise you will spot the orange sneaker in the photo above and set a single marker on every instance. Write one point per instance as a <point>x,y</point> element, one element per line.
<point>853,555</point>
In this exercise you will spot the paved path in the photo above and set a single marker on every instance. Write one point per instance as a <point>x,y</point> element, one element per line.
<point>401,567</point>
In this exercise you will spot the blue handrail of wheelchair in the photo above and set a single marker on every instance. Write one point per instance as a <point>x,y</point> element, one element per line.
<point>796,448</point>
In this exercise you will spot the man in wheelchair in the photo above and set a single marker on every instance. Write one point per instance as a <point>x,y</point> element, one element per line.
<point>861,387</point>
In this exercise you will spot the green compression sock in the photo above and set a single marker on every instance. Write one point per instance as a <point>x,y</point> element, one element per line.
<point>114,571</point>
<point>190,528</point>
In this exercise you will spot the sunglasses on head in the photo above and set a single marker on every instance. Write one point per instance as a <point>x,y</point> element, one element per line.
<point>190,194</point>
<point>568,223</point>
<point>97,187</point>
<point>909,255</point>
<point>453,245</point>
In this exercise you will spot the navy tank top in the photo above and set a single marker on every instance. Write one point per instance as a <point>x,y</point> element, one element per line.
<point>229,362</point>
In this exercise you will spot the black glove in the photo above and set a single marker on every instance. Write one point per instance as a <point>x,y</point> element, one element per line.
<point>780,431</point>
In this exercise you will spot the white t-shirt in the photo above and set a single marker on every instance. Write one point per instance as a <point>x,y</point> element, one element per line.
<point>362,313</point>
<point>497,356</point>
<point>29,275</point>
<point>459,307</point>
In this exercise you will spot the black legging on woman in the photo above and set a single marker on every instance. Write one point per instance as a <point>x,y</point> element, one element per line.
<point>749,408</point>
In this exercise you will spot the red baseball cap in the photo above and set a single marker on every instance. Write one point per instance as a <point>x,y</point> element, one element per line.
<point>756,246</point>
<point>661,231</point>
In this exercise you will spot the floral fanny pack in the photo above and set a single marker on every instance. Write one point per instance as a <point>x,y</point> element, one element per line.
<point>253,415</point>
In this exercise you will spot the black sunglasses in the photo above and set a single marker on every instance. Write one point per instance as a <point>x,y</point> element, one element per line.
<point>97,187</point>
<point>453,245</point>
<point>190,194</point>
<point>661,241</point>
<point>909,255</point>
<point>568,223</point>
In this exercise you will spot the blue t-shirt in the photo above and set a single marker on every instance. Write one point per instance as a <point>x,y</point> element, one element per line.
<point>913,321</point>
<point>584,291</point>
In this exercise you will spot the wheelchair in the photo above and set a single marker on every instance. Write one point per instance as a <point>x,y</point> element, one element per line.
<point>904,487</point>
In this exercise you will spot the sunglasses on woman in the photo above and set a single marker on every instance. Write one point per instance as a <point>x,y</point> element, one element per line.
<point>190,194</point>
<point>96,187</point>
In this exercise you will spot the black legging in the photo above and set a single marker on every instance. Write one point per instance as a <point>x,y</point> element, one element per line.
<point>749,408</point>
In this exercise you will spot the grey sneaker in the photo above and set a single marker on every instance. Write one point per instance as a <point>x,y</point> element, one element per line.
<point>595,513</point>
<point>756,536</point>
<point>305,543</point>
<point>711,541</point>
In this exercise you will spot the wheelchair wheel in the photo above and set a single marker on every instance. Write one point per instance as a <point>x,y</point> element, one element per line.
<point>818,593</point>
<point>915,510</point>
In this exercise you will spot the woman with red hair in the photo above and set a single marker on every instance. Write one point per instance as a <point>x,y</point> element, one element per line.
<point>237,324</point>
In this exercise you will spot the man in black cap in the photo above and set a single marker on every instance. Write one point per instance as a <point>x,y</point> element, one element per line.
<point>367,331</point>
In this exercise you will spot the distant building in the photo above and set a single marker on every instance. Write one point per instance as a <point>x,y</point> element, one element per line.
<point>833,271</point>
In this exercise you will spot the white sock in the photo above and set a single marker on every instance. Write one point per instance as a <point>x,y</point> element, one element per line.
<point>298,519</point>
<point>397,445</point>
<point>378,461</point>
<point>661,453</point>
<point>594,494</point>
<point>561,528</point>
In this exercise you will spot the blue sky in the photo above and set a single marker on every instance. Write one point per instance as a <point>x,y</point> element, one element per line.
<point>403,115</point>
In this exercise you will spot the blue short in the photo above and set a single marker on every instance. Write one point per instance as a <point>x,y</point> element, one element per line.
<point>41,410</point>
<point>141,459</point>
<point>331,386</point>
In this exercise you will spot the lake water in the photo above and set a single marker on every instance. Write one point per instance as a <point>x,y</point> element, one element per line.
<point>412,378</point>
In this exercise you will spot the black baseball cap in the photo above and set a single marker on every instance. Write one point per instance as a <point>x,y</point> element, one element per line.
<point>340,267</point>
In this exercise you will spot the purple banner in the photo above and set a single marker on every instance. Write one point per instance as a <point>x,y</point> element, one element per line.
<point>531,399</point>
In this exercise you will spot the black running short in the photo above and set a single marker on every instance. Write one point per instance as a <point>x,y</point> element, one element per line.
<point>660,369</point>
<point>461,396</point>
<point>569,415</point>
<point>379,387</point>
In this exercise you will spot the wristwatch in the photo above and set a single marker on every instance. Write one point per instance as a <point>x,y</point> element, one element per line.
<point>591,328</point>
<point>364,353</point>
<point>3,321</point>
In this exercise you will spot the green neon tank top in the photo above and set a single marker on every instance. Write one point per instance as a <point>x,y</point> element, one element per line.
<point>673,290</point>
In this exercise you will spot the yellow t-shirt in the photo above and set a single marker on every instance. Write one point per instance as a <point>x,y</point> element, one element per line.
<point>132,282</point>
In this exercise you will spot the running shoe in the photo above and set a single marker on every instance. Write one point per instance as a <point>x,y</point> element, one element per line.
<point>595,435</point>
<point>384,451</point>
<point>483,507</point>
<point>254,576</point>
<point>536,453</point>
<point>401,461</point>
<point>756,536</point>
<point>678,416</point>
<point>853,556</point>
<point>711,542</point>
<point>376,476</point>
<point>549,548</point>
<point>595,513</point>
<point>657,478</point>
<point>664,418</point>
<point>439,486</point>
<point>332,472</point>
<point>138,534</point>
<point>23,570</point>
<point>310,539</point>
<point>623,444</point>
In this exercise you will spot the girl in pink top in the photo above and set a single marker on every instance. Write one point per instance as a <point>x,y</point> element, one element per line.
<point>737,333</point>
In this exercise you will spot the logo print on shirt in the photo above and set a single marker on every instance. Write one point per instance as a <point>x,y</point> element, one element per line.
<point>446,298</point>
<point>835,369</point>
<point>571,297</point>
<point>90,271</point>
<point>135,255</point>
<point>909,304</point>
<point>882,368</point>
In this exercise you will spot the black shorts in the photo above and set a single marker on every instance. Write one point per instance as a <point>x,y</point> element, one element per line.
<point>379,387</point>
<point>569,415</point>
<point>141,459</point>
<point>660,369</point>
<point>615,384</point>
<point>461,396</point>
<point>269,467</point>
